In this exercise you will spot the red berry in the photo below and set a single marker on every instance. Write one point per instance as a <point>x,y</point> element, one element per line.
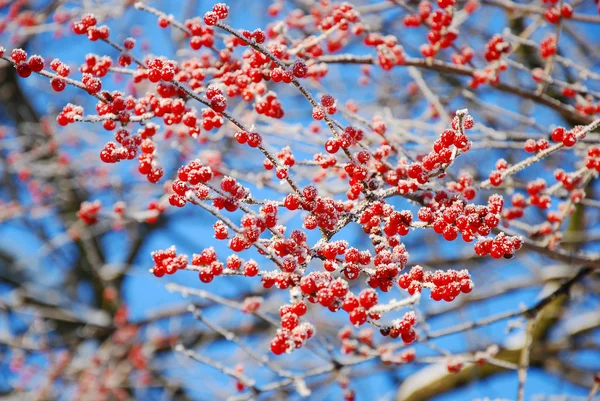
<point>36,63</point>
<point>23,70</point>
<point>496,178</point>
<point>241,137</point>
<point>210,18</point>
<point>299,308</point>
<point>558,134</point>
<point>292,202</point>
<point>530,146</point>
<point>88,20</point>
<point>566,11</point>
<point>409,336</point>
<point>163,21</point>
<point>18,55</point>
<point>206,276</point>
<point>58,84</point>
<point>221,10</point>
<point>218,103</point>
<point>299,69</point>
<point>327,101</point>
<point>368,298</point>
<point>552,15</point>
<point>569,139</point>
<point>358,316</point>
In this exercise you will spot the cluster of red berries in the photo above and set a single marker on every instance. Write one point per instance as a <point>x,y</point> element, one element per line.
<point>444,285</point>
<point>554,13</point>
<point>533,146</point>
<point>568,181</point>
<point>287,340</point>
<point>441,154</point>
<point>207,264</point>
<point>321,288</point>
<point>69,114</point>
<point>464,57</point>
<point>500,246</point>
<point>464,185</point>
<point>94,65</point>
<point>489,75</point>
<point>450,215</point>
<point>352,259</point>
<point>218,102</point>
<point>359,174</point>
<point>325,161</point>
<point>219,12</point>
<point>192,176</point>
<point>363,344</point>
<point>402,328</point>
<point>87,25</point>
<point>378,212</point>
<point>440,35</point>
<point>128,150</point>
<point>92,84</point>
<point>568,138</point>
<point>328,102</point>
<point>536,197</point>
<point>414,20</point>
<point>495,47</point>
<point>23,66</point>
<point>496,177</point>
<point>201,35</point>
<point>281,280</point>
<point>88,212</point>
<point>269,105</point>
<point>257,35</point>
<point>233,193</point>
<point>350,136</point>
<point>252,225</point>
<point>291,314</point>
<point>158,69</point>
<point>390,258</point>
<point>286,158</point>
<point>280,75</point>
<point>167,262</point>
<point>519,203</point>
<point>324,212</point>
<point>253,139</point>
<point>211,119</point>
<point>146,165</point>
<point>115,103</point>
<point>358,307</point>
<point>295,246</point>
<point>592,161</point>
<point>341,15</point>
<point>389,52</point>
<point>584,104</point>
<point>548,46</point>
